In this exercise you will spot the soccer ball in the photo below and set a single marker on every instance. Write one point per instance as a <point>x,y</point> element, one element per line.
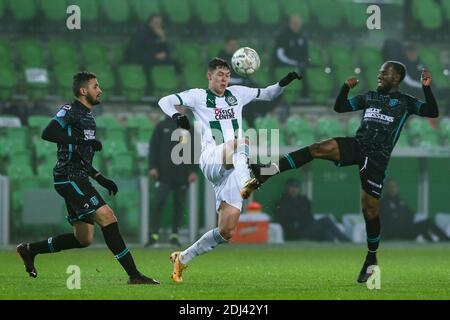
<point>245,61</point>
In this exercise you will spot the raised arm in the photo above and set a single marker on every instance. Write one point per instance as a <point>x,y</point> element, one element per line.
<point>342,103</point>
<point>271,92</point>
<point>430,107</point>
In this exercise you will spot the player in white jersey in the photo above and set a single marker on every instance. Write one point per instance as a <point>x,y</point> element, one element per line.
<point>224,153</point>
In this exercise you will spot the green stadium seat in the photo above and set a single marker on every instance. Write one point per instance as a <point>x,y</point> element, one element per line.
<point>2,8</point>
<point>446,9</point>
<point>327,19</point>
<point>19,172</point>
<point>145,8</point>
<point>31,53</point>
<point>237,17</point>
<point>117,51</point>
<point>329,128</point>
<point>8,81</point>
<point>444,128</point>
<point>20,185</point>
<point>128,205</point>
<point>403,141</point>
<point>190,54</point>
<point>164,79</point>
<point>418,127</point>
<point>45,170</point>
<point>18,135</point>
<point>110,128</point>
<point>355,14</point>
<point>63,53</point>
<point>105,78</point>
<point>428,13</point>
<point>22,10</point>
<point>194,77</point>
<point>369,57</point>
<point>140,128</point>
<point>21,158</point>
<point>94,52</point>
<point>298,129</point>
<point>133,81</point>
<point>89,9</point>
<point>429,140</point>
<point>292,92</point>
<point>208,12</point>
<point>116,10</point>
<point>305,139</point>
<point>45,150</point>
<point>122,165</point>
<point>262,77</point>
<point>113,148</point>
<point>64,78</point>
<point>340,57</point>
<point>353,125</point>
<point>37,124</point>
<point>267,12</point>
<point>178,11</point>
<point>315,56</point>
<point>212,49</point>
<point>289,7</point>
<point>432,61</point>
<point>5,53</point>
<point>54,10</point>
<point>320,85</point>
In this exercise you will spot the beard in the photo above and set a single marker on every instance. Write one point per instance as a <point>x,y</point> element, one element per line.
<point>383,90</point>
<point>92,100</point>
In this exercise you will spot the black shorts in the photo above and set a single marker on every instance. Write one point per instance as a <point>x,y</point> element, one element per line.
<point>82,200</point>
<point>370,175</point>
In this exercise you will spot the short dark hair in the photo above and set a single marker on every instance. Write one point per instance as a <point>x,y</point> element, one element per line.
<point>217,62</point>
<point>80,80</point>
<point>399,67</point>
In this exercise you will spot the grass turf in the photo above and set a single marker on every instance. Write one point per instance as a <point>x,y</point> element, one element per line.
<point>293,271</point>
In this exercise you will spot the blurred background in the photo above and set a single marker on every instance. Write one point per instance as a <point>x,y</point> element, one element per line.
<point>141,50</point>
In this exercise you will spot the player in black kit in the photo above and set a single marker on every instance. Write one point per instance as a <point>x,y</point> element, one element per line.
<point>385,113</point>
<point>73,129</point>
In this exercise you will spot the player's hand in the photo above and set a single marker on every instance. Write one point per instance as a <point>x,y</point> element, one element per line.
<point>425,77</point>
<point>153,173</point>
<point>182,121</point>
<point>94,143</point>
<point>108,184</point>
<point>291,76</point>
<point>351,82</point>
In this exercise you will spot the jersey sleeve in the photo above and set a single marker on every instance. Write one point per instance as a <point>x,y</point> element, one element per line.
<point>188,98</point>
<point>64,116</point>
<point>246,94</point>
<point>414,105</point>
<point>357,102</point>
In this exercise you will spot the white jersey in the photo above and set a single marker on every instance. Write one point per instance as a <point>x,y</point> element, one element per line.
<point>220,117</point>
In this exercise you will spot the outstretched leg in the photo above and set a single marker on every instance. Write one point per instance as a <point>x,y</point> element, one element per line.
<point>327,149</point>
<point>80,238</point>
<point>228,220</point>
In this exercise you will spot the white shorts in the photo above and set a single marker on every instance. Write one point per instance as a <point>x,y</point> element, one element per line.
<point>225,182</point>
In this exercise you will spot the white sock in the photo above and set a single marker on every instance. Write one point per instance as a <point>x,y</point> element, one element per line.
<point>206,243</point>
<point>240,162</point>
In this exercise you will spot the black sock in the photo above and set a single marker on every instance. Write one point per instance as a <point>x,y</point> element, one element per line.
<point>373,237</point>
<point>55,244</point>
<point>117,246</point>
<point>295,159</point>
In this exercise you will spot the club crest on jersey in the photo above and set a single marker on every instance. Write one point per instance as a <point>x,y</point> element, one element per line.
<point>231,100</point>
<point>393,102</point>
<point>224,114</point>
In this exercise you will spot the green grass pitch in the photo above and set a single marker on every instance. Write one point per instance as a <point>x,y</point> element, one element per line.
<point>299,270</point>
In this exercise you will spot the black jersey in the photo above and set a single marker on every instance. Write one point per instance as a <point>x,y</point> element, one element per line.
<point>382,121</point>
<point>79,122</point>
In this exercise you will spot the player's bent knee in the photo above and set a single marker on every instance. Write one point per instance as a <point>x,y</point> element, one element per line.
<point>227,233</point>
<point>105,216</point>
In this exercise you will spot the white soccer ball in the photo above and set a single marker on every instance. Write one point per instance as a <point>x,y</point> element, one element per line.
<point>245,61</point>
